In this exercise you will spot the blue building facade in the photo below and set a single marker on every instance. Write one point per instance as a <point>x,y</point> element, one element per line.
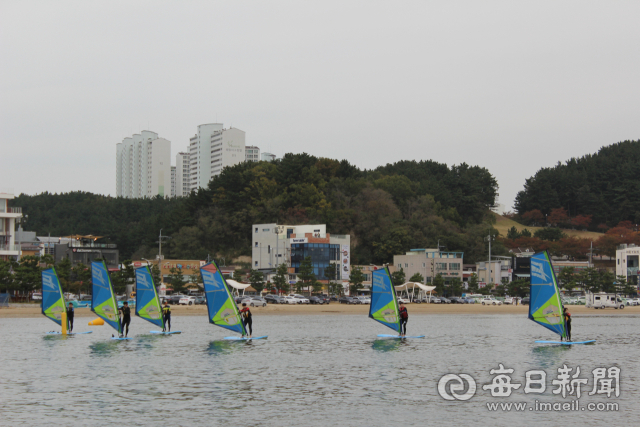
<point>321,256</point>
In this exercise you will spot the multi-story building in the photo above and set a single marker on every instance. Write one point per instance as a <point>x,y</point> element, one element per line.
<point>173,181</point>
<point>182,174</point>
<point>84,249</point>
<point>274,244</point>
<point>9,250</point>
<point>211,150</point>
<point>143,166</point>
<point>252,153</point>
<point>498,271</point>
<point>200,155</point>
<point>267,157</point>
<point>627,256</point>
<point>429,263</point>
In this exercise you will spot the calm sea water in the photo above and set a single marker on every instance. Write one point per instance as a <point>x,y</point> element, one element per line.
<point>313,370</point>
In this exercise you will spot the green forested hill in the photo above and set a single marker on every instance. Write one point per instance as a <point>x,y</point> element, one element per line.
<point>386,211</point>
<point>605,185</point>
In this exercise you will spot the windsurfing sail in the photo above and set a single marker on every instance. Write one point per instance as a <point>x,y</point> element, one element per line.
<point>147,301</point>
<point>103,300</point>
<point>223,310</point>
<point>384,303</point>
<point>545,307</point>
<point>53,304</point>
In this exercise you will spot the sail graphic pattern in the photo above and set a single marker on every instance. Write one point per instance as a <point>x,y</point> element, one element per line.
<point>223,310</point>
<point>545,306</point>
<point>384,303</point>
<point>103,301</point>
<point>53,304</point>
<point>147,301</point>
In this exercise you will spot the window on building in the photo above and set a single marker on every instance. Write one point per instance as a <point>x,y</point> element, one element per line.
<point>454,266</point>
<point>255,263</point>
<point>441,265</point>
<point>399,265</point>
<point>256,245</point>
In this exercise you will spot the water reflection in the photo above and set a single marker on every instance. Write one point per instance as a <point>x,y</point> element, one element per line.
<point>387,345</point>
<point>106,348</point>
<point>217,348</point>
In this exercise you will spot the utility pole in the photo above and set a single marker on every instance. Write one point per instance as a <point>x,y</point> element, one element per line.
<point>160,245</point>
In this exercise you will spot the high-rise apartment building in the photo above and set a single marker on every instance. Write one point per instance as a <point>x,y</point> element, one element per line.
<point>173,181</point>
<point>252,153</point>
<point>267,157</point>
<point>182,174</point>
<point>210,150</point>
<point>9,250</point>
<point>143,166</point>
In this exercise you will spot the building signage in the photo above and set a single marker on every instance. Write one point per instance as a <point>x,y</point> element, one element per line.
<point>188,265</point>
<point>86,250</point>
<point>345,262</point>
<point>299,240</point>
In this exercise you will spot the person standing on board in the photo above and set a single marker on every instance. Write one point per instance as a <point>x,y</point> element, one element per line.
<point>70,314</point>
<point>404,318</point>
<point>246,318</point>
<point>567,322</point>
<point>166,316</point>
<point>125,318</point>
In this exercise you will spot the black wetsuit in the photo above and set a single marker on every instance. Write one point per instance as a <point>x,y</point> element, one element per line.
<point>246,319</point>
<point>567,322</point>
<point>166,317</point>
<point>404,318</point>
<point>70,314</point>
<point>126,319</point>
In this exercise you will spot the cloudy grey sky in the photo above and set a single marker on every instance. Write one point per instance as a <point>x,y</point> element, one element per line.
<point>511,86</point>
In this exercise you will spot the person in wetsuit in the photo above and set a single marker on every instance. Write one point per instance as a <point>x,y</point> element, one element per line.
<point>404,318</point>
<point>166,316</point>
<point>125,318</point>
<point>70,314</point>
<point>246,318</point>
<point>567,322</point>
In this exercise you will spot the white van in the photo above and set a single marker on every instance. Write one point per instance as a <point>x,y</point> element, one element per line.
<point>603,300</point>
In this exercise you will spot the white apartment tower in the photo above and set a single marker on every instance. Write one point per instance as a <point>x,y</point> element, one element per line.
<point>182,174</point>
<point>143,166</point>
<point>173,181</point>
<point>252,153</point>
<point>9,251</point>
<point>210,150</point>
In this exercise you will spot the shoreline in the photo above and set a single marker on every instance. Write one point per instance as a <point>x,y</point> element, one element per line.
<point>34,310</point>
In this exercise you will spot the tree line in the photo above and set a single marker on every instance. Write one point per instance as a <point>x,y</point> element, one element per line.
<point>386,211</point>
<point>596,191</point>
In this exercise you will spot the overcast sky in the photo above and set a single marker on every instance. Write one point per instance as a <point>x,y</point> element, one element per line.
<point>510,86</point>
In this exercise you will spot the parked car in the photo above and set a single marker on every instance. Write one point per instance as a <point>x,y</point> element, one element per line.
<point>325,298</point>
<point>364,300</point>
<point>456,300</point>
<point>491,301</point>
<point>403,300</point>
<point>349,300</point>
<point>201,300</point>
<point>301,298</point>
<point>334,298</point>
<point>36,296</point>
<point>274,299</point>
<point>315,300</point>
<point>174,299</point>
<point>255,301</point>
<point>186,300</point>
<point>525,301</point>
<point>432,300</point>
<point>508,300</point>
<point>444,300</point>
<point>291,300</point>
<point>239,298</point>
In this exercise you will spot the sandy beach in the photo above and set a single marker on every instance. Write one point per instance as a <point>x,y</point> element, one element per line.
<point>33,310</point>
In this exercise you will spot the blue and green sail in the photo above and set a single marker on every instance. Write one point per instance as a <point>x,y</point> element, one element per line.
<point>147,302</point>
<point>545,307</point>
<point>223,310</point>
<point>53,304</point>
<point>384,303</point>
<point>103,300</point>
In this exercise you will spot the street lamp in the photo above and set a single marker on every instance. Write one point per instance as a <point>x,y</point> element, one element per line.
<point>489,238</point>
